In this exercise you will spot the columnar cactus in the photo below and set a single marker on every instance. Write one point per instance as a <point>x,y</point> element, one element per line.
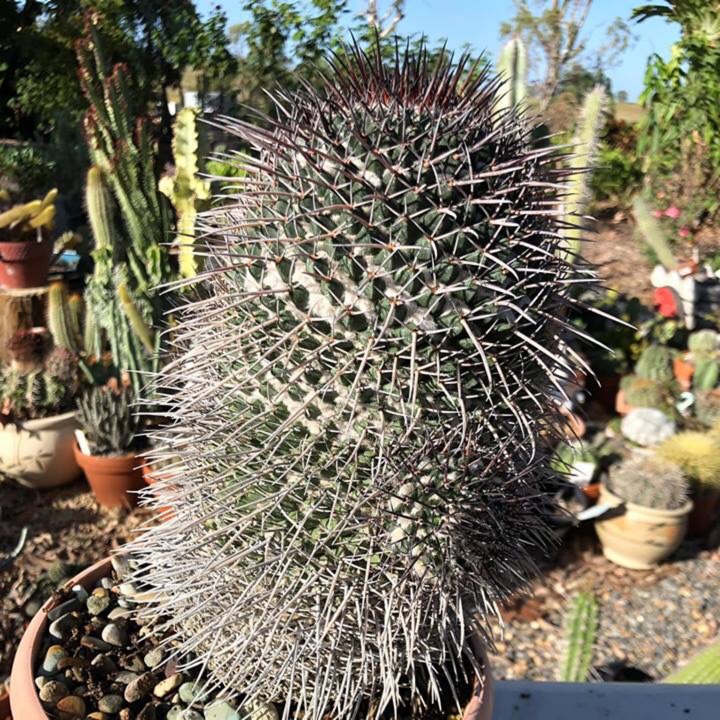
<point>363,395</point>
<point>581,625</point>
<point>512,67</point>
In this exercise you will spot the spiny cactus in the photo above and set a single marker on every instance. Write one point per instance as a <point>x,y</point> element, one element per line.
<point>512,68</point>
<point>589,126</point>
<point>652,482</point>
<point>60,321</point>
<point>653,234</point>
<point>187,192</point>
<point>697,455</point>
<point>364,395</point>
<point>27,221</point>
<point>642,393</point>
<point>109,421</point>
<point>706,407</point>
<point>655,363</point>
<point>647,426</point>
<point>581,625</point>
<point>703,669</point>
<point>28,345</point>
<point>703,345</point>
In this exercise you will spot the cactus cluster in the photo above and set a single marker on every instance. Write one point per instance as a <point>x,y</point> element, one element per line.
<point>697,455</point>
<point>651,482</point>
<point>655,363</point>
<point>28,346</point>
<point>28,221</point>
<point>187,192</point>
<point>581,626</point>
<point>364,394</point>
<point>704,348</point>
<point>706,407</point>
<point>64,317</point>
<point>109,421</point>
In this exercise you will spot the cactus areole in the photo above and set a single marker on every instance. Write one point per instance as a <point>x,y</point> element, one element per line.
<point>363,393</point>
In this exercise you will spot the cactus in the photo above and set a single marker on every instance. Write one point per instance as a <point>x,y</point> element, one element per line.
<point>512,68</point>
<point>28,346</point>
<point>703,344</point>
<point>187,192</point>
<point>24,222</point>
<point>697,455</point>
<point>642,393</point>
<point>703,669</point>
<point>60,323</point>
<point>581,625</point>
<point>590,124</point>
<point>707,407</point>
<point>651,482</point>
<point>655,363</point>
<point>107,418</point>
<point>653,234</point>
<point>647,426</point>
<point>364,396</point>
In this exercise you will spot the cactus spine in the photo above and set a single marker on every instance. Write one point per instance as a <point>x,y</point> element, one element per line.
<point>581,624</point>
<point>187,192</point>
<point>512,68</point>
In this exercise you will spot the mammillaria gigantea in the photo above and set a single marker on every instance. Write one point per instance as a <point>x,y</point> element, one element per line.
<point>363,393</point>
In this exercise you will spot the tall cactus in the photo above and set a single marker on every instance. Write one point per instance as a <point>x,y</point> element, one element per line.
<point>365,395</point>
<point>589,126</point>
<point>187,192</point>
<point>703,669</point>
<point>581,624</point>
<point>512,67</point>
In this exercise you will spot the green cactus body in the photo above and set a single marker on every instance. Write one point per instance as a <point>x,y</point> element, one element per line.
<point>59,321</point>
<point>651,482</point>
<point>703,345</point>
<point>364,394</point>
<point>110,423</point>
<point>655,363</point>
<point>653,234</point>
<point>512,68</point>
<point>703,669</point>
<point>581,625</point>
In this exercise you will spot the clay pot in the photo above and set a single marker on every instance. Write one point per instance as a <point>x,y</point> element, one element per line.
<point>5,706</point>
<point>25,264</point>
<point>24,701</point>
<point>112,478</point>
<point>704,513</point>
<point>621,407</point>
<point>591,492</point>
<point>683,370</point>
<point>39,453</point>
<point>637,537</point>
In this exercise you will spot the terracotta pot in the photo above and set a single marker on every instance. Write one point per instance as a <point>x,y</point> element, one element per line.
<point>24,701</point>
<point>683,370</point>
<point>25,264</point>
<point>637,537</point>
<point>704,513</point>
<point>112,478</point>
<point>5,706</point>
<point>39,453</point>
<point>592,492</point>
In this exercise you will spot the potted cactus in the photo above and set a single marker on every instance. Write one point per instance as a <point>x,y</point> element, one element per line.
<point>38,412</point>
<point>652,385</point>
<point>698,456</point>
<point>25,242</point>
<point>649,501</point>
<point>108,444</point>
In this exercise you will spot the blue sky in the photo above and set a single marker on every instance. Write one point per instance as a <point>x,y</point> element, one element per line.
<point>477,22</point>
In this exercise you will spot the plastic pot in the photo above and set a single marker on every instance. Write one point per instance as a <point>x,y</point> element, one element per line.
<point>25,264</point>
<point>39,453</point>
<point>114,479</point>
<point>637,537</point>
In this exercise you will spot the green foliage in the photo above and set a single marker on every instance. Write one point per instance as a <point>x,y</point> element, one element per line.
<point>653,234</point>
<point>703,669</point>
<point>109,421</point>
<point>650,481</point>
<point>645,393</point>
<point>25,169</point>
<point>703,346</point>
<point>655,363</point>
<point>617,175</point>
<point>187,192</point>
<point>581,625</point>
<point>697,455</point>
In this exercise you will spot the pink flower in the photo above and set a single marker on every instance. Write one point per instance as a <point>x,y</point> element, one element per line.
<point>673,212</point>
<point>657,213</point>
<point>684,231</point>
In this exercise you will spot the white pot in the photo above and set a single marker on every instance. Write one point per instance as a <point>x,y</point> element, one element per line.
<point>39,453</point>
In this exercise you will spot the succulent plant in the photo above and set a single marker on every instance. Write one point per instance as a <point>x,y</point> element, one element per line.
<point>651,482</point>
<point>512,68</point>
<point>581,625</point>
<point>647,426</point>
<point>109,421</point>
<point>28,345</point>
<point>653,234</point>
<point>364,394</point>
<point>703,669</point>
<point>27,221</point>
<point>698,456</point>
<point>642,393</point>
<point>655,363</point>
<point>703,345</point>
<point>707,407</point>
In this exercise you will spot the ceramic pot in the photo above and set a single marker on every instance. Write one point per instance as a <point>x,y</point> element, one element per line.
<point>683,370</point>
<point>25,703</point>
<point>637,537</point>
<point>5,706</point>
<point>704,513</point>
<point>39,453</point>
<point>25,264</point>
<point>114,479</point>
<point>622,407</point>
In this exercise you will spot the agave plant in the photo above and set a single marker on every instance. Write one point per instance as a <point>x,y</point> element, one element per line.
<point>363,395</point>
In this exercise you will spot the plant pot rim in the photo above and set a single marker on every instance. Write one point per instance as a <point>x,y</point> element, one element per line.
<point>43,423</point>
<point>121,462</point>
<point>44,238</point>
<point>24,701</point>
<point>652,512</point>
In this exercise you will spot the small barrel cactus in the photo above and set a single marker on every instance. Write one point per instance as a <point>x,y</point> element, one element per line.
<point>364,395</point>
<point>651,482</point>
<point>703,346</point>
<point>655,363</point>
<point>697,455</point>
<point>647,426</point>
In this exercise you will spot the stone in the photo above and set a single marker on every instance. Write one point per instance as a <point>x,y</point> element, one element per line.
<point>53,691</point>
<point>97,605</point>
<point>70,662</point>
<point>100,592</point>
<point>124,602</point>
<point>260,711</point>
<point>128,589</point>
<point>52,657</point>
<point>112,634</point>
<point>154,657</point>
<point>125,677</point>
<point>126,714</point>
<point>63,608</point>
<point>94,643</point>
<point>133,663</point>
<point>120,565</point>
<point>178,712</point>
<point>80,593</point>
<point>140,688</point>
<point>97,715</point>
<point>147,713</point>
<point>76,675</point>
<point>41,680</point>
<point>61,628</point>
<point>104,663</point>
<point>32,607</point>
<point>120,612</point>
<point>72,707</point>
<point>221,711</point>
<point>111,704</point>
<point>191,692</point>
<point>166,686</point>
<point>107,583</point>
